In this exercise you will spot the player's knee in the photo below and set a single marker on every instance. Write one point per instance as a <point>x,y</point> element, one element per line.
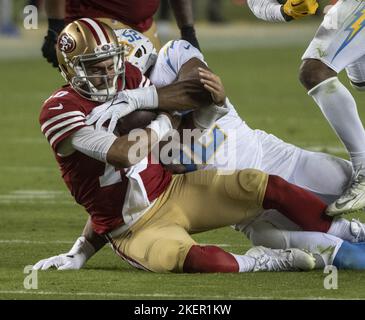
<point>360,86</point>
<point>246,184</point>
<point>167,255</point>
<point>312,72</point>
<point>263,233</point>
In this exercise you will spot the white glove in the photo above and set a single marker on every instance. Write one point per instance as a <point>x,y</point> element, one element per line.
<point>75,259</point>
<point>126,102</point>
<point>205,117</point>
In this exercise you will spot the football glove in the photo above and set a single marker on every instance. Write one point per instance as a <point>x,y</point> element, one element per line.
<point>126,102</point>
<point>75,259</point>
<point>205,117</point>
<point>300,8</point>
<point>55,26</point>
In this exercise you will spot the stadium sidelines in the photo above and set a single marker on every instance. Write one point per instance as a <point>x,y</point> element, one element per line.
<point>232,36</point>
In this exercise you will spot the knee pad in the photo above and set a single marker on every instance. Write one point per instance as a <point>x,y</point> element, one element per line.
<point>248,184</point>
<point>263,233</point>
<point>166,255</point>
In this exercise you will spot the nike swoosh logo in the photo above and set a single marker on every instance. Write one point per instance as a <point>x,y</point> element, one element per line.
<point>340,205</point>
<point>187,47</point>
<point>59,107</point>
<point>298,4</point>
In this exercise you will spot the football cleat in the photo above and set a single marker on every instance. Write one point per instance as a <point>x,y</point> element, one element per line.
<point>281,260</point>
<point>352,200</point>
<point>357,230</point>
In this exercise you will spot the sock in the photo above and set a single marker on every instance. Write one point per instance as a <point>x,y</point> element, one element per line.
<point>350,256</point>
<point>245,263</point>
<point>297,204</point>
<point>322,244</point>
<point>341,228</point>
<point>209,259</point>
<point>339,108</point>
<point>264,233</point>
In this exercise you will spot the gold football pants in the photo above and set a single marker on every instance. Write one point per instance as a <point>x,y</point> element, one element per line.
<point>193,202</point>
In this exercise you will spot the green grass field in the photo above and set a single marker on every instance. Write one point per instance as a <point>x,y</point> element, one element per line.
<point>38,217</point>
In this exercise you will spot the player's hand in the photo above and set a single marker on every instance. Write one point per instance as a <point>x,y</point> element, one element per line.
<point>300,8</point>
<point>214,85</point>
<point>111,111</point>
<point>61,262</point>
<point>55,26</point>
<point>75,259</point>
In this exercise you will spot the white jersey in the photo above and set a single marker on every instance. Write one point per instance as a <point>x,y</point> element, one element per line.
<point>339,40</point>
<point>230,144</point>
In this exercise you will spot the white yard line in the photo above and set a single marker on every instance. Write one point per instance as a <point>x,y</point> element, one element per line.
<point>37,197</point>
<point>152,295</point>
<point>20,241</point>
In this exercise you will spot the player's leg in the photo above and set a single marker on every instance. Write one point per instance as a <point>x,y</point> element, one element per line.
<point>333,48</point>
<point>323,174</point>
<point>214,200</point>
<point>328,249</point>
<point>160,243</point>
<point>356,74</point>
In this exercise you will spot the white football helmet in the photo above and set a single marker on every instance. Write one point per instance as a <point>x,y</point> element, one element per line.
<point>139,50</point>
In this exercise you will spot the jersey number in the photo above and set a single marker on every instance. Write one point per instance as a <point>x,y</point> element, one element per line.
<point>111,176</point>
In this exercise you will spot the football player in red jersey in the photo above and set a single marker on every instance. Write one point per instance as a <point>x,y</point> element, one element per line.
<point>146,213</point>
<point>137,14</point>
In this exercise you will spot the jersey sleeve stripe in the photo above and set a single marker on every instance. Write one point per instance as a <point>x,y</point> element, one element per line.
<point>62,124</point>
<point>145,82</point>
<point>65,132</point>
<point>61,116</point>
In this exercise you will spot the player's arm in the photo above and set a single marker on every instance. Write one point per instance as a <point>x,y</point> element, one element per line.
<point>82,250</point>
<point>281,11</point>
<point>183,12</point>
<point>186,93</point>
<point>55,11</point>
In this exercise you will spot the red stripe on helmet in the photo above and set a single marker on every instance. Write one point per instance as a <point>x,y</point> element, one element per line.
<point>102,29</point>
<point>91,28</point>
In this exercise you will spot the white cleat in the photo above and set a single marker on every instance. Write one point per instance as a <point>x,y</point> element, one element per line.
<point>357,230</point>
<point>352,200</point>
<point>281,260</point>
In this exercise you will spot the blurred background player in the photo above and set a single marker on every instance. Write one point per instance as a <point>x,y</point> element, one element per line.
<point>137,14</point>
<point>337,45</point>
<point>214,11</point>
<point>7,26</point>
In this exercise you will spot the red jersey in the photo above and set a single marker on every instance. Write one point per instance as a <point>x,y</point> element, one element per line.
<point>111,196</point>
<point>138,14</point>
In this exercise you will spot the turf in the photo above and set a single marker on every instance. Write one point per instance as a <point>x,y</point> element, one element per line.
<point>38,217</point>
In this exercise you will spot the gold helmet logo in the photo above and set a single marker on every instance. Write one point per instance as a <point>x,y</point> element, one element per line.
<point>66,43</point>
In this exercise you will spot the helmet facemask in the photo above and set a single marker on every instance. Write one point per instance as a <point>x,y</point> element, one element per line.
<point>100,87</point>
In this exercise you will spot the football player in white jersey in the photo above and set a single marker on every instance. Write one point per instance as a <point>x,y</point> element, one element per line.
<point>337,45</point>
<point>258,150</point>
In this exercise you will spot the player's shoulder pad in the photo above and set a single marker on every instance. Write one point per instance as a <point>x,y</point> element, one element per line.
<point>62,103</point>
<point>177,52</point>
<point>133,76</point>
